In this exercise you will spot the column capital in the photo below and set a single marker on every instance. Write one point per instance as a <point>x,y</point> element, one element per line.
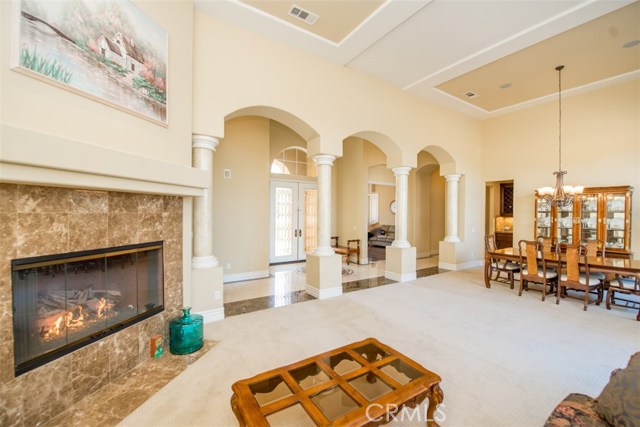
<point>401,170</point>
<point>454,177</point>
<point>204,141</point>
<point>324,159</point>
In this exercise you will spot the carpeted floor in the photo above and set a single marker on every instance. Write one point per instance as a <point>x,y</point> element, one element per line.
<point>505,360</point>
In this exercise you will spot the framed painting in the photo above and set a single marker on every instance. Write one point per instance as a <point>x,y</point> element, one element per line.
<point>107,50</point>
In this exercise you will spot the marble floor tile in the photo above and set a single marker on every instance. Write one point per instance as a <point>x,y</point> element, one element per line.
<point>114,402</point>
<point>286,285</point>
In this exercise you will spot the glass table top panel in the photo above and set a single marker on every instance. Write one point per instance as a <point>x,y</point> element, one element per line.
<point>371,352</point>
<point>309,376</point>
<point>342,363</point>
<point>370,386</point>
<point>292,416</point>
<point>401,371</point>
<point>334,403</point>
<point>270,390</point>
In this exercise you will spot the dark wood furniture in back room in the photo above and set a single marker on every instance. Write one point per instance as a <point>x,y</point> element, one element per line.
<point>504,239</point>
<point>353,247</point>
<point>600,213</point>
<point>365,383</point>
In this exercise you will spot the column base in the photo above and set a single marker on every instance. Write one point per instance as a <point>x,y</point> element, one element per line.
<point>400,264</point>
<point>198,262</point>
<point>206,293</point>
<point>324,276</point>
<point>401,244</point>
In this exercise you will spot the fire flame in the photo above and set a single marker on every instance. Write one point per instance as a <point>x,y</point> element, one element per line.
<point>75,319</point>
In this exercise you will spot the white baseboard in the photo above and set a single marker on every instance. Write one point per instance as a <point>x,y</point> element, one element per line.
<point>214,315</point>
<point>400,277</point>
<point>324,293</point>
<point>251,275</point>
<point>461,266</point>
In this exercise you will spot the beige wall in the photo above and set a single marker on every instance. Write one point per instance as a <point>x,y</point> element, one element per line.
<point>241,204</point>
<point>600,147</point>
<point>43,108</point>
<point>386,194</point>
<point>281,137</point>
<point>353,201</point>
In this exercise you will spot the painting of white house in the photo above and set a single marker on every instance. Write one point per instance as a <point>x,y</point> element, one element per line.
<point>106,49</point>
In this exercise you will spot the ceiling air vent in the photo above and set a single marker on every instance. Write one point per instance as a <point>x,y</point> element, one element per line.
<point>304,15</point>
<point>471,94</point>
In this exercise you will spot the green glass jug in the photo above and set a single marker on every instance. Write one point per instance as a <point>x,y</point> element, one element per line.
<point>185,333</point>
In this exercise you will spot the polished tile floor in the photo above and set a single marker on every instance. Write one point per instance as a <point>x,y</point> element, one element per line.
<point>286,285</point>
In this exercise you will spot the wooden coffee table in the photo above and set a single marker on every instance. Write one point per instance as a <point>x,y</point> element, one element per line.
<point>366,383</point>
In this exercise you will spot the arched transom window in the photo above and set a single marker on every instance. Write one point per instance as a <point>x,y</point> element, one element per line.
<point>293,161</point>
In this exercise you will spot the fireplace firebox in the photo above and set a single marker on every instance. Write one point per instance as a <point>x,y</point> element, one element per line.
<point>66,301</point>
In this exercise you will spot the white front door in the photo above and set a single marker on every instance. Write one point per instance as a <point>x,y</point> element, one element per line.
<point>293,220</point>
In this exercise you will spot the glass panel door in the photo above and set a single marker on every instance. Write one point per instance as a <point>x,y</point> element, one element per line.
<point>310,220</point>
<point>589,217</point>
<point>543,219</point>
<point>615,221</point>
<point>564,226</point>
<point>293,220</point>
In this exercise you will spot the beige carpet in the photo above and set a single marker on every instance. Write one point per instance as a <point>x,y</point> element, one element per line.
<point>505,360</point>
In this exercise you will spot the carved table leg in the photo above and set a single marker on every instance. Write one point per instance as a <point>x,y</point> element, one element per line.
<point>237,411</point>
<point>436,396</point>
<point>487,270</point>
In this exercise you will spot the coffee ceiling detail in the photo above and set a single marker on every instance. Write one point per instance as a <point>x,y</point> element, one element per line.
<point>498,50</point>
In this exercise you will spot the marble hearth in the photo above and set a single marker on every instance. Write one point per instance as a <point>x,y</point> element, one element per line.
<point>37,221</point>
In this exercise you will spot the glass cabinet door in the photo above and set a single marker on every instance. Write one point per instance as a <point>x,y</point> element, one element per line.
<point>564,224</point>
<point>589,217</point>
<point>543,219</point>
<point>615,217</point>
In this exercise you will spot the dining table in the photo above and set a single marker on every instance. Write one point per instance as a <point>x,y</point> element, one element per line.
<point>604,264</point>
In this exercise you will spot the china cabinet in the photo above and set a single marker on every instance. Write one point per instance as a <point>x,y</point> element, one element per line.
<point>600,213</point>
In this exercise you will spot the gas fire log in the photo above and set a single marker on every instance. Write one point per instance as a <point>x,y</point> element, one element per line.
<point>70,299</point>
<point>50,318</point>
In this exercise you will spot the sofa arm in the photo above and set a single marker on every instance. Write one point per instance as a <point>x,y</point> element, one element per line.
<point>575,410</point>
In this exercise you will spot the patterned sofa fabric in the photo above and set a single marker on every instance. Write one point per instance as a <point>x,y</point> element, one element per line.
<point>617,406</point>
<point>576,410</point>
<point>619,402</point>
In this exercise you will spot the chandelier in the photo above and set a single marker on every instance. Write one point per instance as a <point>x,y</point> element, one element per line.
<point>560,195</point>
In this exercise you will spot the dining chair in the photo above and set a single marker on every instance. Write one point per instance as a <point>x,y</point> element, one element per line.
<point>546,243</point>
<point>531,271</point>
<point>573,278</point>
<point>628,285</point>
<point>595,248</point>
<point>499,266</point>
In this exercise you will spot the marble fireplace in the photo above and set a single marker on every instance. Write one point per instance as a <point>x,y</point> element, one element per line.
<point>39,221</point>
<point>63,302</point>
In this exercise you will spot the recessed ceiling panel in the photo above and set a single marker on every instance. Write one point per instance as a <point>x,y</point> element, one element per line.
<point>337,18</point>
<point>591,52</point>
<point>445,32</point>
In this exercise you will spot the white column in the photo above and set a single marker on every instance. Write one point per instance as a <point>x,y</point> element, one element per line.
<point>203,148</point>
<point>451,208</point>
<point>324,162</point>
<point>402,196</point>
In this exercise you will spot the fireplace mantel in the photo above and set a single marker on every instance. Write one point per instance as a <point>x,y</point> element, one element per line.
<point>34,158</point>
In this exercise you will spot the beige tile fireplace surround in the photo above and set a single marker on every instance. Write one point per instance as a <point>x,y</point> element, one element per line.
<point>37,220</point>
